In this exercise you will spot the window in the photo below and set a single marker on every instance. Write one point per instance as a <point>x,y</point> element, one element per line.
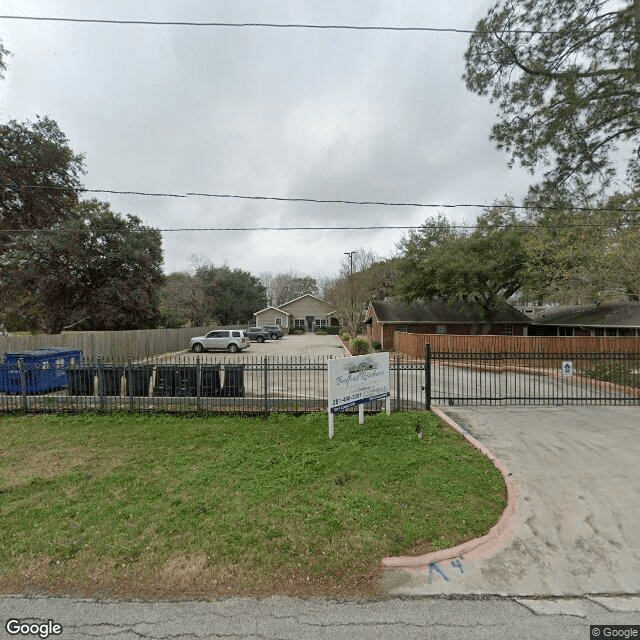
<point>236,334</point>
<point>278,322</point>
<point>401,327</point>
<point>441,329</point>
<point>508,329</point>
<point>321,323</point>
<point>298,323</point>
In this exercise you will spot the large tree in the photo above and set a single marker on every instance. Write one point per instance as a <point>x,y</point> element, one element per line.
<point>590,254</point>
<point>362,277</point>
<point>182,301</point>
<point>39,175</point>
<point>232,295</point>
<point>287,285</point>
<point>565,75</point>
<point>99,271</point>
<point>440,262</point>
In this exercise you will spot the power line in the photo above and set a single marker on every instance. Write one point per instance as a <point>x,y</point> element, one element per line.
<point>264,25</point>
<point>377,203</point>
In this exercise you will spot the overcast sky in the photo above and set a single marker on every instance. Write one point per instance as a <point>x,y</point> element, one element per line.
<point>299,113</point>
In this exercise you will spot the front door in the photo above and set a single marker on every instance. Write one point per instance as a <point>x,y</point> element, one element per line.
<point>310,323</point>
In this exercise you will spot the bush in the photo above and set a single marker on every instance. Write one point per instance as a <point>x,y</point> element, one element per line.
<point>344,335</point>
<point>333,330</point>
<point>321,332</point>
<point>376,345</point>
<point>359,346</point>
<point>296,332</point>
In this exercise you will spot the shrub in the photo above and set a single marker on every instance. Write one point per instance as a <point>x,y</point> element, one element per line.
<point>296,332</point>
<point>321,332</point>
<point>333,330</point>
<point>359,346</point>
<point>376,345</point>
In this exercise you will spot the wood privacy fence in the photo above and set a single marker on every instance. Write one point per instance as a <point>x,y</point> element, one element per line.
<point>108,344</point>
<point>413,344</point>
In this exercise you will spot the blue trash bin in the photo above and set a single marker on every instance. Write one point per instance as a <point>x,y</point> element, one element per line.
<point>45,369</point>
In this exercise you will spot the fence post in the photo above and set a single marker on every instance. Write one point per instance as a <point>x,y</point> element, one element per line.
<point>23,382</point>
<point>266,380</point>
<point>427,376</point>
<point>198,383</point>
<point>130,383</point>
<point>397,385</point>
<point>100,383</point>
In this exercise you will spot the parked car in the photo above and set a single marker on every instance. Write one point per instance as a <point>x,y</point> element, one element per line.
<point>220,340</point>
<point>257,334</point>
<point>274,331</point>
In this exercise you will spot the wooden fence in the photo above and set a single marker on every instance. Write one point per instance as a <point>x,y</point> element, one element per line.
<point>413,344</point>
<point>108,344</point>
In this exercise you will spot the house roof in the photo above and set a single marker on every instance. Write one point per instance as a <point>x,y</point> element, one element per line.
<point>618,314</point>
<point>306,295</point>
<point>392,311</point>
<point>271,309</point>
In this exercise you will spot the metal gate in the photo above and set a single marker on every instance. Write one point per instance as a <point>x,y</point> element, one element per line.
<point>534,378</point>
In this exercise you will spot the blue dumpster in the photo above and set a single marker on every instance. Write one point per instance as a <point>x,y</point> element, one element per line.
<point>44,369</point>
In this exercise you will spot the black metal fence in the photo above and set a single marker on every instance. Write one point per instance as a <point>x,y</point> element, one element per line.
<point>534,378</point>
<point>233,384</point>
<point>246,384</point>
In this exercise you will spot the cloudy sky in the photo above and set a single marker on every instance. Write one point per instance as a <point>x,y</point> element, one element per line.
<point>293,113</point>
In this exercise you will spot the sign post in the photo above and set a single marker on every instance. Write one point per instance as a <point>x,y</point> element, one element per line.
<point>356,380</point>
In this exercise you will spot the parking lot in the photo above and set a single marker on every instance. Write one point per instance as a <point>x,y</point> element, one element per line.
<point>307,346</point>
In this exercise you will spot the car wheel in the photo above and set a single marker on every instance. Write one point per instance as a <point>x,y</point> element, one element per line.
<point>233,348</point>
<point>260,339</point>
<point>198,348</point>
<point>274,336</point>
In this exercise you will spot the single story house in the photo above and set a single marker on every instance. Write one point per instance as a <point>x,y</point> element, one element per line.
<point>385,317</point>
<point>611,319</point>
<point>308,312</point>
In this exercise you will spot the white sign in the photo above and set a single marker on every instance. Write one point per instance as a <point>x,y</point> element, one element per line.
<point>357,379</point>
<point>567,368</point>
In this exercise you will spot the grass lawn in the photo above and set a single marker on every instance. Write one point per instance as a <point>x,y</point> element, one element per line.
<point>167,506</point>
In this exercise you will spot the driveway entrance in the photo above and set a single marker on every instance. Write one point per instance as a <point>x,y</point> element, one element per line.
<point>577,528</point>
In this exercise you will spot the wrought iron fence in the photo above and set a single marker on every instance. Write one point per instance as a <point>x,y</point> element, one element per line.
<point>190,384</point>
<point>534,378</point>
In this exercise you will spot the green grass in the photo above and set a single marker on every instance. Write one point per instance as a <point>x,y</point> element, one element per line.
<point>159,504</point>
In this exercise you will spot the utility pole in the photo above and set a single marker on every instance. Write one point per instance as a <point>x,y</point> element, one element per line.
<point>350,254</point>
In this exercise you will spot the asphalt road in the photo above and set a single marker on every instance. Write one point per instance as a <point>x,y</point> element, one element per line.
<point>284,618</point>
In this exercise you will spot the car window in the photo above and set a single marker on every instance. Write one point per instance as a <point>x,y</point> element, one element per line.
<point>224,334</point>
<point>235,334</point>
<point>213,334</point>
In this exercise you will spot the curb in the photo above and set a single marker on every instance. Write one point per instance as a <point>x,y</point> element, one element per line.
<point>498,535</point>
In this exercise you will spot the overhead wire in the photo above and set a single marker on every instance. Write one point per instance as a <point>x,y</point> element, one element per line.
<point>263,25</point>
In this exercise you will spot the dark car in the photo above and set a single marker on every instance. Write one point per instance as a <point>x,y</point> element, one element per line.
<point>257,334</point>
<point>274,331</point>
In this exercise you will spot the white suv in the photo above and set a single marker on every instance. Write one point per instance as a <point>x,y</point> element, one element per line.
<point>231,340</point>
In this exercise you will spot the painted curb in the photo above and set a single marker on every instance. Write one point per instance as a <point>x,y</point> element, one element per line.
<point>498,535</point>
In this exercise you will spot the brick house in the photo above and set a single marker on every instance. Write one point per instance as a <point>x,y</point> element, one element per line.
<point>385,317</point>
<point>615,319</point>
<point>307,312</point>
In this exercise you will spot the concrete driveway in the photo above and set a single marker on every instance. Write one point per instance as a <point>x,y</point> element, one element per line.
<point>577,524</point>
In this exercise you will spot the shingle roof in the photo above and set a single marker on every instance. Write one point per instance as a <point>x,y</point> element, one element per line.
<point>392,310</point>
<point>618,314</point>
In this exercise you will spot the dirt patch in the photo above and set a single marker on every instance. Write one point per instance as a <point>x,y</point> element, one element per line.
<point>187,577</point>
<point>23,464</point>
